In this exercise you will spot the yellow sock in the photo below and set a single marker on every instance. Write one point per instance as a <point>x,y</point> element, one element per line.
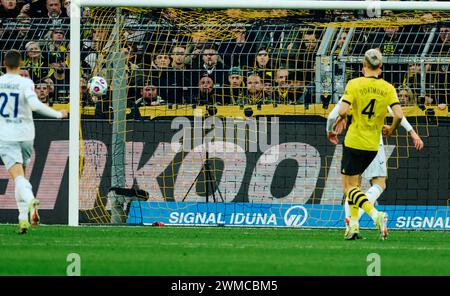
<point>360,200</point>
<point>354,214</point>
<point>368,207</point>
<point>354,209</point>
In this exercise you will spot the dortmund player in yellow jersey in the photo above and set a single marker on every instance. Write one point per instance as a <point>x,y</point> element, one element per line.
<point>369,97</point>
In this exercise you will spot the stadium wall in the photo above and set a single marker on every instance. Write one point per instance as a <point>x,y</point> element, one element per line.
<point>305,159</point>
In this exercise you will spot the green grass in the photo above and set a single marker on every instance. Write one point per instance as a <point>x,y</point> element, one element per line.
<point>219,251</point>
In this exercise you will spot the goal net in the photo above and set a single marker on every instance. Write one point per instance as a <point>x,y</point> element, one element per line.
<point>217,116</point>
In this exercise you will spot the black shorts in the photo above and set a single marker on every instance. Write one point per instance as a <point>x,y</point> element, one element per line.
<point>355,161</point>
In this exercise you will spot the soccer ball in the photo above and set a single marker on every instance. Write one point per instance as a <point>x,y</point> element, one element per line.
<point>97,86</point>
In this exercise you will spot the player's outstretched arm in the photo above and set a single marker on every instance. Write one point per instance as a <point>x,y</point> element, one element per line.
<point>343,109</point>
<point>331,121</point>
<point>340,125</point>
<point>45,110</point>
<point>418,143</point>
<point>40,107</point>
<point>398,116</point>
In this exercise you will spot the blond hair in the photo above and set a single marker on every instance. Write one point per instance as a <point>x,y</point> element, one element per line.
<point>373,57</point>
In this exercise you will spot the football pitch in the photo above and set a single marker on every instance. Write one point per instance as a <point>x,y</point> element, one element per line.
<point>177,251</point>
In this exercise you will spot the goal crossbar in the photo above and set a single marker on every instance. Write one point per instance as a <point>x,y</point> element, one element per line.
<point>263,4</point>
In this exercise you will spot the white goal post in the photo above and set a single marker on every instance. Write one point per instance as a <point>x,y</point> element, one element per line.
<point>75,36</point>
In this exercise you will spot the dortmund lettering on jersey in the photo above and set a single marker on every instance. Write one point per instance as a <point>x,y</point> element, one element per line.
<point>369,98</point>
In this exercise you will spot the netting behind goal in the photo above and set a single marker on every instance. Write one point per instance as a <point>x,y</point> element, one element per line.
<point>223,111</point>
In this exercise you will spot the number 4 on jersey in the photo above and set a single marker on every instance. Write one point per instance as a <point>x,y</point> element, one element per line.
<point>368,110</point>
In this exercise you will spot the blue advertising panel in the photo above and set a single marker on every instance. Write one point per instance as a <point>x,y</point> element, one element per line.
<point>279,215</point>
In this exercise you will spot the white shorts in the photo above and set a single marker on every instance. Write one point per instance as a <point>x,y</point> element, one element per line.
<point>377,167</point>
<point>16,152</point>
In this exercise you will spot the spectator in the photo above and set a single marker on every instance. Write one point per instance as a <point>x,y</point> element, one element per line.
<point>41,89</point>
<point>194,50</point>
<point>55,13</point>
<point>42,92</point>
<point>178,77</point>
<point>412,78</point>
<point>406,96</point>
<point>66,4</point>
<point>23,28</point>
<point>133,68</point>
<point>205,95</point>
<point>236,51</point>
<point>171,83</point>
<point>414,38</point>
<point>91,51</point>
<point>262,64</point>
<point>57,41</point>
<point>85,96</point>
<point>284,92</point>
<point>35,9</point>
<point>442,86</point>
<point>390,44</point>
<point>344,70</point>
<point>134,36</point>
<point>21,32</point>
<point>343,15</point>
<point>51,86</point>
<point>9,9</point>
<point>309,41</point>
<point>262,59</point>
<point>341,43</point>
<point>395,42</point>
<point>35,62</point>
<point>25,73</point>
<point>255,92</point>
<point>54,9</point>
<point>303,75</point>
<point>439,77</point>
<point>212,67</point>
<point>234,90</point>
<point>60,77</point>
<point>235,77</point>
<point>290,46</point>
<point>161,61</point>
<point>269,90</point>
<point>178,56</point>
<point>202,59</point>
<point>148,97</point>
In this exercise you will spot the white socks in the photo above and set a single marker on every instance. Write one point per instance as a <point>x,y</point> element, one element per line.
<point>24,195</point>
<point>374,215</point>
<point>372,194</point>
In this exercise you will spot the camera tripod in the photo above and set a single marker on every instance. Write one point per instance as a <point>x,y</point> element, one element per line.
<point>210,182</point>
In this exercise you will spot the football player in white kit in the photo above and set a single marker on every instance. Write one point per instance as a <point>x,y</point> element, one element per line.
<point>17,101</point>
<point>376,172</point>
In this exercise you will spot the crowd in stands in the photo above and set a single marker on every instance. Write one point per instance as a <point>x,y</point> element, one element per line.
<point>260,62</point>
<point>39,28</point>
